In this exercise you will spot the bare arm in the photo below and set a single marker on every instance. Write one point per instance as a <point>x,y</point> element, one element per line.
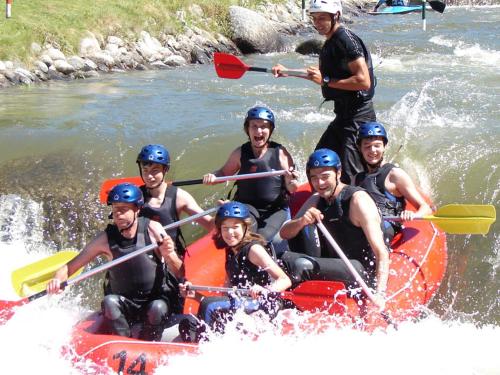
<point>98,246</point>
<point>364,213</point>
<point>287,164</point>
<point>186,203</point>
<point>259,256</point>
<point>400,182</point>
<point>359,80</point>
<point>307,215</point>
<point>231,167</point>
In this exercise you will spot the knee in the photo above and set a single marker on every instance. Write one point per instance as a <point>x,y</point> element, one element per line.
<point>111,307</point>
<point>303,268</point>
<point>157,312</point>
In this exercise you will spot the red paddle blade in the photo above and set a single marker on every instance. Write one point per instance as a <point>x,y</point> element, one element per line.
<point>107,185</point>
<point>7,309</point>
<point>319,295</point>
<point>229,66</point>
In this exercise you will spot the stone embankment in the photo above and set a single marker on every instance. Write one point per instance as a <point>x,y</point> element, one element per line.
<point>268,29</point>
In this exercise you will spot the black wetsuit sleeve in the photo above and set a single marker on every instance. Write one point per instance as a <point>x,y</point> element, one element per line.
<point>349,45</point>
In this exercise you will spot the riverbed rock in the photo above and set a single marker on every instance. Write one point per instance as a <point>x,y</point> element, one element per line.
<point>252,32</point>
<point>310,46</point>
<point>2,66</point>
<point>89,65</point>
<point>115,40</point>
<point>4,82</point>
<point>89,45</point>
<point>76,62</point>
<point>175,60</point>
<point>46,60</point>
<point>64,67</point>
<point>55,54</point>
<point>41,66</point>
<point>102,58</point>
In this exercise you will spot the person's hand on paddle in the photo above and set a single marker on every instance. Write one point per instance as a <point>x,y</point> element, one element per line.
<point>184,290</point>
<point>314,74</point>
<point>292,179</point>
<point>378,302</point>
<point>277,70</point>
<point>54,286</point>
<point>311,216</point>
<point>407,215</point>
<point>258,290</point>
<point>209,179</point>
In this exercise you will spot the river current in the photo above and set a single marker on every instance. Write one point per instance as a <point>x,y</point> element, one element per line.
<point>437,94</point>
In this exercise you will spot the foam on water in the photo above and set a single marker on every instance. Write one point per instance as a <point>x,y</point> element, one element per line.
<point>472,52</point>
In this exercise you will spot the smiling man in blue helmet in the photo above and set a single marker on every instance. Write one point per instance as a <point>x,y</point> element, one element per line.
<point>345,74</point>
<point>351,217</point>
<point>267,198</point>
<point>388,185</point>
<point>165,202</point>
<point>136,290</point>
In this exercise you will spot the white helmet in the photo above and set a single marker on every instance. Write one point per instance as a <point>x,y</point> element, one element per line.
<point>327,6</point>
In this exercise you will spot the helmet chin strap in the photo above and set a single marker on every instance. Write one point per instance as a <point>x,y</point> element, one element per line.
<point>131,224</point>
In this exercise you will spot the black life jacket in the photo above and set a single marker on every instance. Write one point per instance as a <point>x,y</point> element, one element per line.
<point>142,277</point>
<point>374,184</point>
<point>262,193</point>
<point>166,214</point>
<point>241,271</point>
<point>349,237</point>
<point>333,63</point>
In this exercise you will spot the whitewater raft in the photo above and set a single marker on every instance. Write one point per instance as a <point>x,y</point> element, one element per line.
<point>418,263</point>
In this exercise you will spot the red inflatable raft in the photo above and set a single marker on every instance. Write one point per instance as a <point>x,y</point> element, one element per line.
<point>418,263</point>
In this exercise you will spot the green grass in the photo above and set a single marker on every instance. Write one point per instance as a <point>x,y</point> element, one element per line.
<point>64,22</point>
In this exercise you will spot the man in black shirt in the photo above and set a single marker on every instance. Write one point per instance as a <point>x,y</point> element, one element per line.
<point>345,74</point>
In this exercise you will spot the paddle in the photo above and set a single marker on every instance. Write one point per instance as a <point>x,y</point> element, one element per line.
<point>107,185</point>
<point>438,6</point>
<point>460,218</point>
<point>6,307</point>
<point>309,295</point>
<point>34,277</point>
<point>230,66</point>
<point>353,271</point>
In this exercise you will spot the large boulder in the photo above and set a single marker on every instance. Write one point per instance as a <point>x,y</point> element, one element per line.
<point>253,33</point>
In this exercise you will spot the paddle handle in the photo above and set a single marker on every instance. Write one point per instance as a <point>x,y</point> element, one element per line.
<point>291,72</point>
<point>236,177</point>
<point>218,289</point>
<point>348,264</point>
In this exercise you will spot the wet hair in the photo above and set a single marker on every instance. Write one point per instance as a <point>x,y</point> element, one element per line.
<point>248,237</point>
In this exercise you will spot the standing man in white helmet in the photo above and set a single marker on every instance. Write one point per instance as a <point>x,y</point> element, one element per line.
<point>345,74</point>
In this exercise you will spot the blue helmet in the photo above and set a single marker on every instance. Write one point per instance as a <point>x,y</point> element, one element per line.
<point>234,210</point>
<point>323,157</point>
<point>126,193</point>
<point>154,154</point>
<point>259,112</point>
<point>372,129</point>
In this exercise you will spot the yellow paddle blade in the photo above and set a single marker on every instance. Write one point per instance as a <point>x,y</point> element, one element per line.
<point>464,218</point>
<point>33,278</point>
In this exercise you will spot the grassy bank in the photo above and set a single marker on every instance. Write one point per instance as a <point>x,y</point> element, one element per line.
<point>64,22</point>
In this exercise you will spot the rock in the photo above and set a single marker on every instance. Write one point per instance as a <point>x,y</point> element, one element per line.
<point>35,48</point>
<point>141,67</point>
<point>54,74</point>
<point>23,76</point>
<point>77,62</point>
<point>41,75</point>
<point>175,60</point>
<point>41,66</point>
<point>310,47</point>
<point>89,65</point>
<point>11,76</point>
<point>9,65</point>
<point>102,58</point>
<point>199,56</point>
<point>90,74</point>
<point>4,82</point>
<point>113,50</point>
<point>148,46</point>
<point>46,60</point>
<point>64,67</point>
<point>2,66</point>
<point>55,54</point>
<point>89,46</point>
<point>196,11</point>
<point>159,65</point>
<point>115,40</point>
<point>253,33</point>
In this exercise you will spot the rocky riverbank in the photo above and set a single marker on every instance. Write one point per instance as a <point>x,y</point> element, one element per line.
<point>267,29</point>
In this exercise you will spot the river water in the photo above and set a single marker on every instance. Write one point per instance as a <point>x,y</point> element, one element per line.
<point>437,94</point>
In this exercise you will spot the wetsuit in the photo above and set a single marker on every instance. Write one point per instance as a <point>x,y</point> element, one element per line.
<point>242,273</point>
<point>319,261</point>
<point>352,108</point>
<point>166,214</point>
<point>387,203</point>
<point>139,289</point>
<point>266,197</point>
